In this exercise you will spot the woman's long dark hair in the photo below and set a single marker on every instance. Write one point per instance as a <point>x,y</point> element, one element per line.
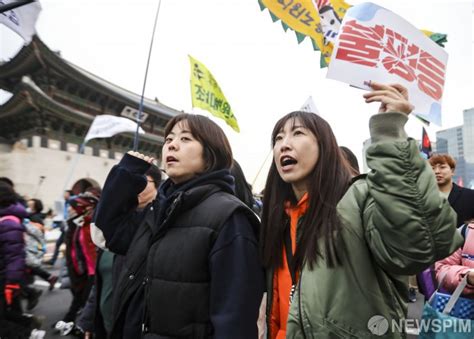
<point>328,180</point>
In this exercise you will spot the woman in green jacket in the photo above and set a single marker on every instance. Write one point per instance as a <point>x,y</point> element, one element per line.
<point>338,252</point>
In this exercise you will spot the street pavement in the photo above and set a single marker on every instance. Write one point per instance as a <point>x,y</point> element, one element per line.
<point>52,305</point>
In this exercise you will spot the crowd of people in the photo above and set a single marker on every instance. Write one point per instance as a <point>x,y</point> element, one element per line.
<point>22,247</point>
<point>197,255</point>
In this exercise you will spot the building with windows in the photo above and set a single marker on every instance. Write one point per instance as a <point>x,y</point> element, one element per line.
<point>468,134</point>
<point>459,143</point>
<point>450,141</point>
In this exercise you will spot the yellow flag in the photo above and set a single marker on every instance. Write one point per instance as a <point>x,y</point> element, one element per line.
<point>206,94</point>
<point>304,17</point>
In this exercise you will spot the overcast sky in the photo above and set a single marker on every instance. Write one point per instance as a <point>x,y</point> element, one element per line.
<point>262,70</point>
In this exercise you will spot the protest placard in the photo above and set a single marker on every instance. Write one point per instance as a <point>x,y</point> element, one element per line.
<point>375,44</point>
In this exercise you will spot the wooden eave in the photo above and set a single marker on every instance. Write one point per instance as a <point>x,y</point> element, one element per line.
<point>29,96</point>
<point>36,55</point>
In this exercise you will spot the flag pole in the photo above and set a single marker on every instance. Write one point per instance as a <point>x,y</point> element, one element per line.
<point>14,5</point>
<point>261,167</point>
<point>140,108</point>
<point>42,177</point>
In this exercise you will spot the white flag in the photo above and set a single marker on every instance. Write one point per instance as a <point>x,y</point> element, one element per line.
<point>105,126</point>
<point>21,20</point>
<point>309,106</point>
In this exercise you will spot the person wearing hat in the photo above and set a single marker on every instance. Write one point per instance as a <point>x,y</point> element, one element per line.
<point>80,252</point>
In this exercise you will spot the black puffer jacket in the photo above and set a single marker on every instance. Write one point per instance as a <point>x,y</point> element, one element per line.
<point>195,250</point>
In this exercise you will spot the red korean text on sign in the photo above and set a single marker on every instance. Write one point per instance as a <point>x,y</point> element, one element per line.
<point>369,46</point>
<point>412,63</point>
<point>431,76</point>
<point>360,44</point>
<point>399,53</point>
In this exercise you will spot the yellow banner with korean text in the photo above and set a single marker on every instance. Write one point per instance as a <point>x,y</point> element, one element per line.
<point>207,95</point>
<point>318,19</point>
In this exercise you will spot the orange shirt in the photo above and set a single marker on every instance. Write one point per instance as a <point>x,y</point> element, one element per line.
<point>282,278</point>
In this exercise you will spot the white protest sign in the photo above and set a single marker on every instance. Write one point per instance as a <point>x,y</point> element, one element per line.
<point>375,44</point>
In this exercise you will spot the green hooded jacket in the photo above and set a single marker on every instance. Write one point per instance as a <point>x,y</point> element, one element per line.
<point>395,224</point>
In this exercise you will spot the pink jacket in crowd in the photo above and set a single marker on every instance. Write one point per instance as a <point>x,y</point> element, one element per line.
<point>458,264</point>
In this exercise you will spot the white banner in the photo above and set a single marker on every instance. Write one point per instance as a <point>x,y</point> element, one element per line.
<point>309,106</point>
<point>375,44</point>
<point>21,20</point>
<point>105,126</point>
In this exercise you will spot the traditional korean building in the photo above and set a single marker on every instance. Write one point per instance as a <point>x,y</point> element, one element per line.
<point>52,106</point>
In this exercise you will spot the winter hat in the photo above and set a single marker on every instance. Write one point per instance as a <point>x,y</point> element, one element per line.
<point>84,200</point>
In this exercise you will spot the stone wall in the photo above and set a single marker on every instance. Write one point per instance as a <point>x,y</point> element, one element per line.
<point>25,165</point>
